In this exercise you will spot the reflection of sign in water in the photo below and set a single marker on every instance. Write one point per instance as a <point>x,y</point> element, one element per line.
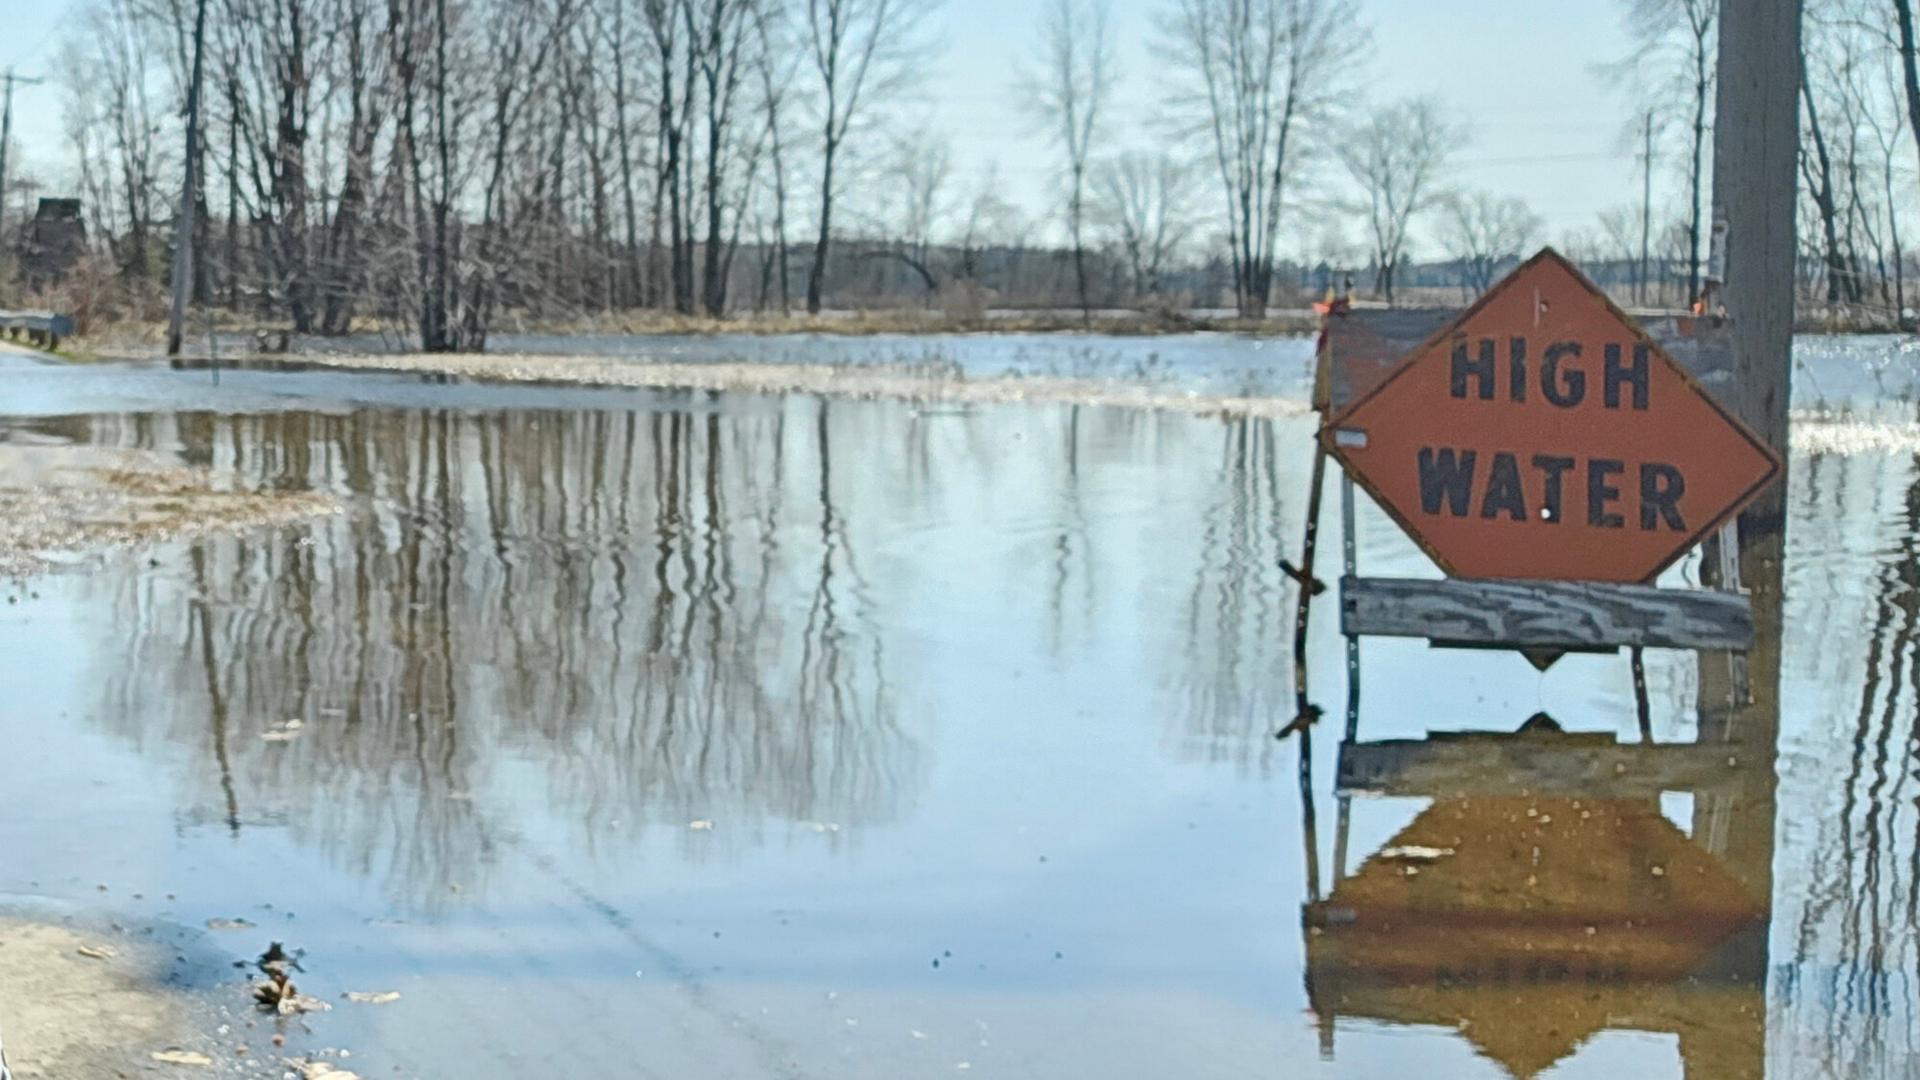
<point>1542,434</point>
<point>1531,923</point>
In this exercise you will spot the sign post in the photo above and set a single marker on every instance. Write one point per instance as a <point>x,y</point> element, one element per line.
<point>1553,456</point>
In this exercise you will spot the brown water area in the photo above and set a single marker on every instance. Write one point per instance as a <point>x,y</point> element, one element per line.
<point>642,731</point>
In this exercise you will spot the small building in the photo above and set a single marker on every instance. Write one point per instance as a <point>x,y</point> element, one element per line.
<point>55,240</point>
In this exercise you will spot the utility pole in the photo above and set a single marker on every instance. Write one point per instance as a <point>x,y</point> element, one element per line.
<point>183,227</point>
<point>6,130</point>
<point>1756,138</point>
<point>1646,203</point>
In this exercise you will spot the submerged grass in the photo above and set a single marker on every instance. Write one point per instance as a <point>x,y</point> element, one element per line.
<point>64,500</point>
<point>930,383</point>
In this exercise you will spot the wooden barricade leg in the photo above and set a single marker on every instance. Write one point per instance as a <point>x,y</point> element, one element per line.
<point>1303,709</point>
<point>1303,579</point>
<point>1341,826</point>
<point>1642,708</point>
<point>1350,567</point>
<point>1729,556</point>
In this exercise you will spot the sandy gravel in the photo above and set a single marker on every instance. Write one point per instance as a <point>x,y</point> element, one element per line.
<point>852,380</point>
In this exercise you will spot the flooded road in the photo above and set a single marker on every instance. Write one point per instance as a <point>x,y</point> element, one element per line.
<point>659,733</point>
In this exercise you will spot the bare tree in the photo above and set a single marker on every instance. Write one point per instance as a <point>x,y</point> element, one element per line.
<point>1483,231</point>
<point>1068,95</point>
<point>861,51</point>
<point>673,109</point>
<point>520,38</point>
<point>1147,201</point>
<point>1816,168</point>
<point>367,49</point>
<point>725,34</point>
<point>1887,133</point>
<point>1909,65</point>
<point>989,221</point>
<point>918,177</point>
<point>1671,68</point>
<point>1261,76</point>
<point>776,61</point>
<point>115,125</point>
<point>279,51</point>
<point>1395,159</point>
<point>1625,237</point>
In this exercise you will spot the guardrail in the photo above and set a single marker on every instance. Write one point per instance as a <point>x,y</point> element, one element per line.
<point>41,328</point>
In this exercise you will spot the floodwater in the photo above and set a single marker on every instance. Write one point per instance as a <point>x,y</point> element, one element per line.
<point>1217,363</point>
<point>668,734</point>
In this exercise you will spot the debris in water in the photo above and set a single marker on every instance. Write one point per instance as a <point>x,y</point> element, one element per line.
<point>277,993</point>
<point>97,952</point>
<point>379,997</point>
<point>276,990</point>
<point>284,732</point>
<point>229,924</point>
<point>276,958</point>
<point>181,1057</point>
<point>1415,853</point>
<point>700,825</point>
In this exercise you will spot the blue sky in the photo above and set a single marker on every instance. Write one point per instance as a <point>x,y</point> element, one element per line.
<point>1518,72</point>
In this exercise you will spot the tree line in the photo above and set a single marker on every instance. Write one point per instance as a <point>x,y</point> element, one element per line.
<point>429,165</point>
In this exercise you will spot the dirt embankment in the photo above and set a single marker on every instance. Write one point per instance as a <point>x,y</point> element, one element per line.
<point>58,501</point>
<point>75,1004</point>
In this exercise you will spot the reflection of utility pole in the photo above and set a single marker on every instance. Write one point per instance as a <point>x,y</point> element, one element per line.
<point>6,130</point>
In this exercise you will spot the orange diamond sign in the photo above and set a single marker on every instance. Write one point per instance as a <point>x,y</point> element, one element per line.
<point>1543,434</point>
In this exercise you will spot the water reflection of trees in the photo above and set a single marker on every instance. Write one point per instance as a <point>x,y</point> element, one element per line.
<point>1235,676</point>
<point>1854,970</point>
<point>671,614</point>
<point>657,613</point>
